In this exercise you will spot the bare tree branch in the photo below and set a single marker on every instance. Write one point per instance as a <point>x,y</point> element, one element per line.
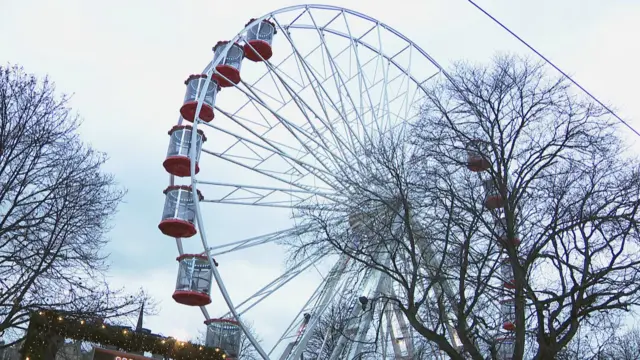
<point>557,204</point>
<point>55,208</point>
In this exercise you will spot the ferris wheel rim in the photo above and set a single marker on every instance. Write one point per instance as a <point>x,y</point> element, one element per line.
<point>192,155</point>
<point>211,67</point>
<point>216,61</point>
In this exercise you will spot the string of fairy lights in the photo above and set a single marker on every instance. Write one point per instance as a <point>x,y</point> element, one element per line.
<point>44,325</point>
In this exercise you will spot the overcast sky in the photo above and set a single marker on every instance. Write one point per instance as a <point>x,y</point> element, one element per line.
<point>125,63</point>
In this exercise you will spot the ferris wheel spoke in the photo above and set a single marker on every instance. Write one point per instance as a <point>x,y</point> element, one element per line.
<point>259,240</point>
<point>280,176</point>
<point>265,196</point>
<point>406,103</point>
<point>361,76</point>
<point>320,95</point>
<point>312,144</point>
<point>296,131</point>
<point>378,50</point>
<point>273,148</point>
<point>341,84</point>
<point>359,72</point>
<point>331,287</point>
<point>275,175</point>
<point>357,75</point>
<point>347,114</point>
<point>398,96</point>
<point>359,66</point>
<point>371,110</point>
<point>262,93</point>
<point>383,93</point>
<point>288,124</point>
<point>283,102</point>
<point>279,282</point>
<point>308,84</point>
<point>401,90</point>
<point>293,129</point>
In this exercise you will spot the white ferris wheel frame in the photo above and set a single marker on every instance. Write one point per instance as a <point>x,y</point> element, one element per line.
<point>440,287</point>
<point>193,155</point>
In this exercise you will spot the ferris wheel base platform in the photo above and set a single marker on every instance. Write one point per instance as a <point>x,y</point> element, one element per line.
<point>257,50</point>
<point>177,228</point>
<point>191,298</point>
<point>179,166</point>
<point>188,111</point>
<point>230,73</point>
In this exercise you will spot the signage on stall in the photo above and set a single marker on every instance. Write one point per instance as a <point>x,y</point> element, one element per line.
<point>107,354</point>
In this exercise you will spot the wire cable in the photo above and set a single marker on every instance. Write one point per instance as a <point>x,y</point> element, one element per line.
<point>554,66</point>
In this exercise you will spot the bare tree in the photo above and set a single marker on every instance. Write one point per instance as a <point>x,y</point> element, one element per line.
<point>55,208</point>
<point>325,335</point>
<point>557,203</point>
<point>624,347</point>
<point>594,340</point>
<point>341,320</point>
<point>247,350</point>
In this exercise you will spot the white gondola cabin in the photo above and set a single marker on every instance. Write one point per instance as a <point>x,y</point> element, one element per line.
<point>259,40</point>
<point>506,271</point>
<point>195,87</point>
<point>503,233</point>
<point>228,70</point>
<point>225,334</point>
<point>478,155</point>
<point>508,311</point>
<point>177,162</point>
<point>493,199</point>
<point>193,286</point>
<point>506,347</point>
<point>179,215</point>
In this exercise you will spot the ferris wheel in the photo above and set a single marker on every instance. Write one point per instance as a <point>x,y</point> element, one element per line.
<point>294,100</point>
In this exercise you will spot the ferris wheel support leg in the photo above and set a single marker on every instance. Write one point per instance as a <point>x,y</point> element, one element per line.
<point>385,335</point>
<point>384,286</point>
<point>324,342</point>
<point>396,347</point>
<point>318,293</point>
<point>455,339</point>
<point>405,333</point>
<point>362,327</point>
<point>291,325</point>
<point>332,283</point>
<point>196,200</point>
<point>441,286</point>
<point>338,349</point>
